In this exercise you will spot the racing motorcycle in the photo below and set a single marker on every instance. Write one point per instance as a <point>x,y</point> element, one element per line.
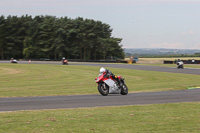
<point>13,61</point>
<point>180,64</point>
<point>65,62</point>
<point>108,85</point>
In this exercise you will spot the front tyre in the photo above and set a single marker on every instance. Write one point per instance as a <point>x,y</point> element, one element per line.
<point>124,90</point>
<point>103,89</point>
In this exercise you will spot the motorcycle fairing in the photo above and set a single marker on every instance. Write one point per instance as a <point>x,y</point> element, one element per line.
<point>113,89</point>
<point>119,77</point>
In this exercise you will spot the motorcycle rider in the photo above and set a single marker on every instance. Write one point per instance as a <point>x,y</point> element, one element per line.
<point>13,60</point>
<point>109,73</point>
<point>64,61</point>
<point>179,63</point>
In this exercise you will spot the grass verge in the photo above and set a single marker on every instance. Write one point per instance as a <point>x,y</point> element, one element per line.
<point>160,118</point>
<point>22,80</point>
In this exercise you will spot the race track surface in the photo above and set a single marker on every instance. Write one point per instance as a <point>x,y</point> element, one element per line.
<point>149,68</point>
<point>81,101</point>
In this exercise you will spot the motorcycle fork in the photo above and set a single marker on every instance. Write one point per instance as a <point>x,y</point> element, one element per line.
<point>117,83</point>
<point>104,85</point>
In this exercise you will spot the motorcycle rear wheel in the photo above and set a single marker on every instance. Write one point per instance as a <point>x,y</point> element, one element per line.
<point>124,90</point>
<point>103,89</point>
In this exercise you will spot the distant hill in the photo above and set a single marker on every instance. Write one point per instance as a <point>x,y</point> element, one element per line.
<point>159,51</point>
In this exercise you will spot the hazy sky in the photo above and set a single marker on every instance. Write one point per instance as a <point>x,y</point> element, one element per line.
<point>140,23</point>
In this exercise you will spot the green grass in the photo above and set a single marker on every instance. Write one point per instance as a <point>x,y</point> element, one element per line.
<point>160,118</point>
<point>43,80</point>
<point>22,80</point>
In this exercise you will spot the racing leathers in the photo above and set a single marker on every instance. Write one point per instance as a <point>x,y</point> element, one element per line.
<point>109,73</point>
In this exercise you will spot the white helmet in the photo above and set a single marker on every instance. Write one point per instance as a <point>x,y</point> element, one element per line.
<point>102,70</point>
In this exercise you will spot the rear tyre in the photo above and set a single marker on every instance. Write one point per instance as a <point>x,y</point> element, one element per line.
<point>124,90</point>
<point>103,89</point>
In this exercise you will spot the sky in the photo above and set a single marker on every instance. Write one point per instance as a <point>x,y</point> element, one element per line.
<point>173,24</point>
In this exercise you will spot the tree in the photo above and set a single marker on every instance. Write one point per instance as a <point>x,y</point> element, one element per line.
<point>2,36</point>
<point>53,38</point>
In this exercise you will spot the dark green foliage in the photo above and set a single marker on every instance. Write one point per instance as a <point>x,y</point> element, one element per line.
<point>54,38</point>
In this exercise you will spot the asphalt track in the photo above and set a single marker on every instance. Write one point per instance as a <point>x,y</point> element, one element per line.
<point>82,101</point>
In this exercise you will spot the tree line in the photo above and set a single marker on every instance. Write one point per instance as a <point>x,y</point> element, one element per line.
<point>28,37</point>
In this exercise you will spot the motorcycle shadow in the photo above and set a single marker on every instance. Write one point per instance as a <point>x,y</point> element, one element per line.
<point>113,95</point>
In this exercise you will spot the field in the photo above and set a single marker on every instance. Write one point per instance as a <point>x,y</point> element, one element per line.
<point>22,80</point>
<point>160,118</point>
<point>160,60</point>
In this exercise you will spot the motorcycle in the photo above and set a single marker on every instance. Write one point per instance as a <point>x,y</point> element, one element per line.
<point>108,85</point>
<point>13,61</point>
<point>65,62</point>
<point>180,65</point>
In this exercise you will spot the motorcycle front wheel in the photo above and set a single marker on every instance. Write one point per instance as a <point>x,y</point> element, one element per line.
<point>124,90</point>
<point>103,89</point>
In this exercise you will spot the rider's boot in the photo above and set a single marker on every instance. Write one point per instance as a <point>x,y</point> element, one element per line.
<point>120,84</point>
